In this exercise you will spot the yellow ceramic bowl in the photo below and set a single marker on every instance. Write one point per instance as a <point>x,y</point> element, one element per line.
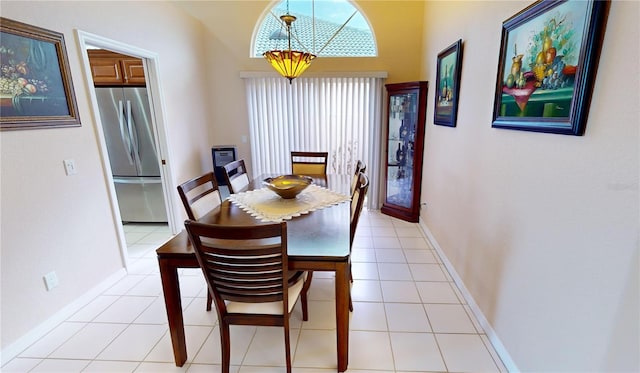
<point>287,186</point>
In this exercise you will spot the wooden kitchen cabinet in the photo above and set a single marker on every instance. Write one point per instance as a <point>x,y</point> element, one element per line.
<point>114,69</point>
<point>407,105</point>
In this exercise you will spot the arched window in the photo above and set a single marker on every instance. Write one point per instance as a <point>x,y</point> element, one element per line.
<point>325,28</point>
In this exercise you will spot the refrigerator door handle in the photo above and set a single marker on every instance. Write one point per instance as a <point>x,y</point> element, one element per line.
<point>125,139</point>
<point>134,139</point>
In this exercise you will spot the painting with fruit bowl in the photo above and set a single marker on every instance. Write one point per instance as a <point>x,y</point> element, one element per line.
<point>35,83</point>
<point>548,59</point>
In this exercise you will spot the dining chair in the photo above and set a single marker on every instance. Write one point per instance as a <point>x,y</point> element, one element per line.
<point>357,203</point>
<point>236,175</point>
<point>246,270</point>
<point>199,196</point>
<point>309,163</point>
<point>360,167</point>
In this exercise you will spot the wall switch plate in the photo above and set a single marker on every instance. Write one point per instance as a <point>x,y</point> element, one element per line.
<point>70,167</point>
<point>51,280</point>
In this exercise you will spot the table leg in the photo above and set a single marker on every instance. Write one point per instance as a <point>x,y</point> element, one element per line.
<point>342,314</point>
<point>173,303</point>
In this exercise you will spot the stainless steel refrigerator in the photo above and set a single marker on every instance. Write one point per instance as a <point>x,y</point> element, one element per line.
<point>126,120</point>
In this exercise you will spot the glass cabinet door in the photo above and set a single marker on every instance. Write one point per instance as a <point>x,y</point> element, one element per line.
<point>401,142</point>
<point>404,142</point>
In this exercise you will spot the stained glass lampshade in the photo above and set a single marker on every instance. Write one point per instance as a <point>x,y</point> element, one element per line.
<point>289,63</point>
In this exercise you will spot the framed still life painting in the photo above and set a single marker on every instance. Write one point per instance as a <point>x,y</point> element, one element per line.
<point>448,85</point>
<point>547,67</point>
<point>36,90</point>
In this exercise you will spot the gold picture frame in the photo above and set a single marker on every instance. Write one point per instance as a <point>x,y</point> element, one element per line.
<point>36,89</point>
<point>548,62</point>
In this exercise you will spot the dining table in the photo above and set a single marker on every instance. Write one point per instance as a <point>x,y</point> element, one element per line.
<point>318,240</point>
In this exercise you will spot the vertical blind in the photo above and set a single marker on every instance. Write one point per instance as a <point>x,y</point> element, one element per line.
<point>339,115</point>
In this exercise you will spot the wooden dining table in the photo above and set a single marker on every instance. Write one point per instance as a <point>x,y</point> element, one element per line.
<point>317,241</point>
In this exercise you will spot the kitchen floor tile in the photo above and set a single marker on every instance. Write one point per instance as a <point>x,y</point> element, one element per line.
<point>436,292</point>
<point>394,271</point>
<point>134,343</point>
<point>111,366</point>
<point>416,352</point>
<point>449,318</point>
<point>54,339</point>
<point>210,352</point>
<point>267,347</point>
<point>420,256</point>
<point>368,316</point>
<point>399,292</point>
<point>427,272</point>
<point>465,353</point>
<point>370,350</point>
<point>89,341</point>
<point>20,365</point>
<point>364,271</point>
<point>363,255</point>
<point>125,309</point>
<point>366,291</point>
<point>386,243</point>
<point>316,349</point>
<point>389,256</point>
<point>60,365</point>
<point>322,315</point>
<point>195,337</point>
<point>405,317</point>
<point>414,243</point>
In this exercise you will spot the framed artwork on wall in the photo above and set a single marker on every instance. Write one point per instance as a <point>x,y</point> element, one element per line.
<point>448,85</point>
<point>36,90</point>
<point>547,66</point>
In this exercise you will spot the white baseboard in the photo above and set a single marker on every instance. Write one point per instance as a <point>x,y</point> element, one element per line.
<point>488,329</point>
<point>41,330</point>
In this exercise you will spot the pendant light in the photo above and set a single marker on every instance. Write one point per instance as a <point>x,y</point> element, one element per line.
<point>289,63</point>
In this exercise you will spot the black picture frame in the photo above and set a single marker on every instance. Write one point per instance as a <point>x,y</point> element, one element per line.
<point>447,95</point>
<point>36,89</point>
<point>554,48</point>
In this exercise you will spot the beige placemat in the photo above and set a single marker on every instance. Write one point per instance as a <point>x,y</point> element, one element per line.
<point>266,205</point>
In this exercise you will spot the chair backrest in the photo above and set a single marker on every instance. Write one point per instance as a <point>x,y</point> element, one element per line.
<point>236,175</point>
<point>360,167</point>
<point>246,264</point>
<point>200,195</point>
<point>357,202</point>
<point>309,163</point>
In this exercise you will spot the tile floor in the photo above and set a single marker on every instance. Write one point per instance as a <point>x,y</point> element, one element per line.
<point>409,317</point>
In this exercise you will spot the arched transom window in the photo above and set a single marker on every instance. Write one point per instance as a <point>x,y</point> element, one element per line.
<point>326,28</point>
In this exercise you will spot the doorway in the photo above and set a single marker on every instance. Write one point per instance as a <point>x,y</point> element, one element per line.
<point>137,235</point>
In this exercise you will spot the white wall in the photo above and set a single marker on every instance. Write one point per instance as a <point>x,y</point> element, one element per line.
<point>53,222</point>
<point>542,228</point>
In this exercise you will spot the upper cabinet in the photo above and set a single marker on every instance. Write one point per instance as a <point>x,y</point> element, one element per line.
<point>404,142</point>
<point>114,69</point>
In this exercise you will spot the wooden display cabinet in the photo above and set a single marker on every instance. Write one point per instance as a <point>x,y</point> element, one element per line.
<point>114,69</point>
<point>406,108</point>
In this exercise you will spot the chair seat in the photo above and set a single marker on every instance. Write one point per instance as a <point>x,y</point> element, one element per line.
<point>268,308</point>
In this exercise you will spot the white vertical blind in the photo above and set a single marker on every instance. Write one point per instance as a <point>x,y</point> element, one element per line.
<point>339,115</point>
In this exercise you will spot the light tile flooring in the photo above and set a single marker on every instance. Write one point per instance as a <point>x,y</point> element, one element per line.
<point>408,316</point>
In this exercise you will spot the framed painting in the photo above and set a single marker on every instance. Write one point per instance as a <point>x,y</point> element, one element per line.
<point>36,90</point>
<point>548,61</point>
<point>448,85</point>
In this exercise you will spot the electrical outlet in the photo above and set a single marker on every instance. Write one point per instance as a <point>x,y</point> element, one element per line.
<point>51,280</point>
<point>70,167</point>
